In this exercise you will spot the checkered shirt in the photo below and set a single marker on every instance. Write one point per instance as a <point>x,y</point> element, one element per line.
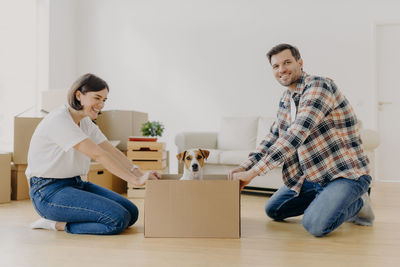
<point>323,142</point>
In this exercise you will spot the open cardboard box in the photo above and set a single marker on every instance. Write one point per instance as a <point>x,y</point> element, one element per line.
<point>208,208</point>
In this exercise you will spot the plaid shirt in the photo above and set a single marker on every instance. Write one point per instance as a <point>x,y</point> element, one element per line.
<point>322,143</point>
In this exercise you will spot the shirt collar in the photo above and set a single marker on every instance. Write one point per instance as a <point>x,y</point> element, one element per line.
<point>301,84</point>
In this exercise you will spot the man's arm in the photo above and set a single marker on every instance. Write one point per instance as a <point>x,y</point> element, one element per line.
<point>262,148</point>
<point>317,101</point>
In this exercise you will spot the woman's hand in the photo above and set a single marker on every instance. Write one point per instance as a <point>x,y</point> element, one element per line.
<point>151,175</point>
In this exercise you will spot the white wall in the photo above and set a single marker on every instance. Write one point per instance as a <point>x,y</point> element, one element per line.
<point>188,63</point>
<point>62,44</point>
<point>17,63</point>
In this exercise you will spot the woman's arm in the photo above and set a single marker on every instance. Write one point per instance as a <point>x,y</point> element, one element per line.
<point>112,163</point>
<point>118,155</point>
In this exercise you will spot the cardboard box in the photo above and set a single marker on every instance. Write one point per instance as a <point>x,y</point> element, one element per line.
<point>19,182</point>
<point>136,192</point>
<point>24,127</point>
<point>207,208</point>
<point>53,99</point>
<point>140,192</point>
<point>120,124</point>
<point>100,176</point>
<point>5,177</point>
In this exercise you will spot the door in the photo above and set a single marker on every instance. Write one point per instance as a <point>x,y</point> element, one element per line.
<point>388,86</point>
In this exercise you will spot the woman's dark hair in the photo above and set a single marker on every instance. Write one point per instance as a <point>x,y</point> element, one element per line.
<point>86,83</point>
<point>280,47</point>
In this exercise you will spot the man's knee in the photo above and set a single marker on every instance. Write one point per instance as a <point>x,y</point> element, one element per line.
<point>315,226</point>
<point>272,212</point>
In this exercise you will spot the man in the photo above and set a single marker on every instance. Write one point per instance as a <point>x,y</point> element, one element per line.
<point>316,138</point>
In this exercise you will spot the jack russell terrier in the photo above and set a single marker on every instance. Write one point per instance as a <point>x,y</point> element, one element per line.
<point>193,160</point>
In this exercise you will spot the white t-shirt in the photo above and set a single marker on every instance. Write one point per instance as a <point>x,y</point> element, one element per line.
<point>293,109</point>
<point>51,153</point>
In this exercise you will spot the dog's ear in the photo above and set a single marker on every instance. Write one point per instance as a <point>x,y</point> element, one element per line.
<point>181,156</point>
<point>205,153</point>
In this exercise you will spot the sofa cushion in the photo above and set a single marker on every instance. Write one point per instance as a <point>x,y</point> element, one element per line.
<point>233,157</point>
<point>237,133</point>
<point>213,158</point>
<point>264,125</point>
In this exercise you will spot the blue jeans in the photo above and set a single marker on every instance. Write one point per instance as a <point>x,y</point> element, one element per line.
<point>85,207</point>
<point>324,208</point>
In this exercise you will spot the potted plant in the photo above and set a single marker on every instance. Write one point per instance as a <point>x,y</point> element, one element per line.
<point>152,128</point>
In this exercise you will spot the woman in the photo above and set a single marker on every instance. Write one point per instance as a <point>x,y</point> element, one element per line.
<point>59,154</point>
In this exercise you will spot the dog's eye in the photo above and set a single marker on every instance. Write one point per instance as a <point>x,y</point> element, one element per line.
<point>198,157</point>
<point>188,158</point>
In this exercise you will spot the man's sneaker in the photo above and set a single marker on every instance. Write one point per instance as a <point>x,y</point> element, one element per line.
<point>365,216</point>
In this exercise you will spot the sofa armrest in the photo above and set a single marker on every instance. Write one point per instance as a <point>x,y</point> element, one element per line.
<point>187,140</point>
<point>370,139</point>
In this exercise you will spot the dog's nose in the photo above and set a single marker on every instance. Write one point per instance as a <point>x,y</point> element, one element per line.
<point>195,167</point>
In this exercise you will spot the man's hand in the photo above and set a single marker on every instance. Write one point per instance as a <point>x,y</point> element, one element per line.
<point>236,170</point>
<point>243,176</point>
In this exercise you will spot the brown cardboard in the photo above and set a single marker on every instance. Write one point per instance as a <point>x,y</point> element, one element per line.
<point>19,182</point>
<point>120,124</point>
<point>100,176</point>
<point>208,208</point>
<point>119,185</point>
<point>24,127</point>
<point>5,177</point>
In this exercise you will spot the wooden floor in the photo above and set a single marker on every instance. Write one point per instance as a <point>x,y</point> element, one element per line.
<point>263,243</point>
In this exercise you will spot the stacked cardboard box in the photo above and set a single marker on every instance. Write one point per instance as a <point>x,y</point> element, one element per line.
<point>192,208</point>
<point>19,183</point>
<point>148,156</point>
<point>5,177</point>
<point>24,126</point>
<point>120,124</point>
<point>100,176</point>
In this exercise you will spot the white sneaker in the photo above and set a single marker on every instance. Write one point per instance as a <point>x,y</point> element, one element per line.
<point>366,215</point>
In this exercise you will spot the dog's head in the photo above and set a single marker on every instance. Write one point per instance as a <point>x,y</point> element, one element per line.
<point>193,159</point>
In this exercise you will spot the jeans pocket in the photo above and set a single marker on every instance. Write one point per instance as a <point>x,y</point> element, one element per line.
<point>39,184</point>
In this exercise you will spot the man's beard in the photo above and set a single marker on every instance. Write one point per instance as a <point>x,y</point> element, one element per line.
<point>292,81</point>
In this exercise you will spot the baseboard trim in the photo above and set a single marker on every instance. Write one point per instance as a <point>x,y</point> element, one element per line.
<point>254,190</point>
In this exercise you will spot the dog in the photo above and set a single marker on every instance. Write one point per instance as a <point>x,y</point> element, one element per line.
<point>193,161</point>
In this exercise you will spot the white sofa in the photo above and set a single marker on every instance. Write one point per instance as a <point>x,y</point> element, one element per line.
<point>237,137</point>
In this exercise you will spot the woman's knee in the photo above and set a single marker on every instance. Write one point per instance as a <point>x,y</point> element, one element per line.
<point>120,222</point>
<point>134,212</point>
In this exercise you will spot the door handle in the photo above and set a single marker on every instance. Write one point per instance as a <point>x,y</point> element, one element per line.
<point>381,103</point>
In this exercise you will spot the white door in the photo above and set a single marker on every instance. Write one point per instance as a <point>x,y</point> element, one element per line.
<point>388,81</point>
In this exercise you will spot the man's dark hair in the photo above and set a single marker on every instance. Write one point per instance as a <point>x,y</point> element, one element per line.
<point>280,47</point>
<point>86,83</point>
